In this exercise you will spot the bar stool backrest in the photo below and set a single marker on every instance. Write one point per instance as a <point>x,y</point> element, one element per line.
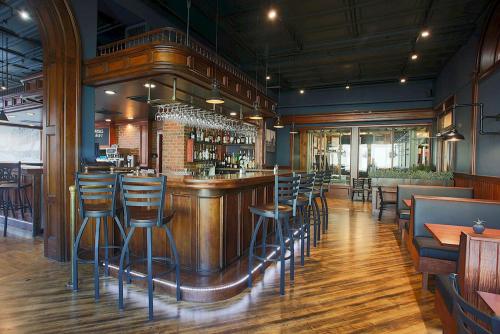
<point>143,192</point>
<point>318,180</point>
<point>369,183</point>
<point>380,194</point>
<point>306,187</point>
<point>10,173</point>
<point>464,314</point>
<point>286,189</point>
<point>96,188</point>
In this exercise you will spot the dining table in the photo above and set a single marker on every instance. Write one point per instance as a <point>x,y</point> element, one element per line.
<point>492,300</point>
<point>449,235</point>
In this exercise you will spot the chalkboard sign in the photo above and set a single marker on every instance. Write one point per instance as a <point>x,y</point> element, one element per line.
<point>101,136</point>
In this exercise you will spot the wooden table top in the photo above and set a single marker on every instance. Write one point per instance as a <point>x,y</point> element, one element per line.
<point>449,235</point>
<point>492,300</point>
<point>407,202</point>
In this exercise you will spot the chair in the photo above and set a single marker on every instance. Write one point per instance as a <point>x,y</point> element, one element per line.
<point>11,181</point>
<point>358,187</point>
<point>368,188</point>
<point>143,201</point>
<point>286,189</point>
<point>318,193</point>
<point>383,202</point>
<point>327,178</point>
<point>467,316</point>
<point>97,200</point>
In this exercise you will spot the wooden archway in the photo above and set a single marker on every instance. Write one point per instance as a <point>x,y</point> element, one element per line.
<point>61,117</point>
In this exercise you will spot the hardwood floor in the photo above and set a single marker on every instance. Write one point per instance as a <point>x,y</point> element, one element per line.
<point>358,280</point>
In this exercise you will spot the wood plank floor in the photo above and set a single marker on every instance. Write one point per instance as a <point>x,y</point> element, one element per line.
<point>358,280</point>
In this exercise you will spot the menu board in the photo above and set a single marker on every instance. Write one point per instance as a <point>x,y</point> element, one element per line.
<point>101,136</point>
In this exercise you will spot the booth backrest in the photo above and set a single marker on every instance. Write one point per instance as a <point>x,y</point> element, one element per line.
<point>452,211</point>
<point>406,191</point>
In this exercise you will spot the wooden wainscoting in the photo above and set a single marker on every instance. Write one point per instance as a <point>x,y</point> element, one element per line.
<point>485,187</point>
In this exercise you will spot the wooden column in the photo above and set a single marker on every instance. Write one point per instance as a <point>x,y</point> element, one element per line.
<point>61,117</point>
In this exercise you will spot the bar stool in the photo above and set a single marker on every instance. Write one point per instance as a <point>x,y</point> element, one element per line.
<point>286,188</point>
<point>304,206</point>
<point>144,203</point>
<point>320,212</point>
<point>96,197</point>
<point>327,177</point>
<point>11,183</point>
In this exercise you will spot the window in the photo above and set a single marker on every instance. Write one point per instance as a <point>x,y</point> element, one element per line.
<point>330,149</point>
<point>388,148</point>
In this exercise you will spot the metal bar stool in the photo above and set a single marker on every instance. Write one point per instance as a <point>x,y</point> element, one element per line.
<point>327,177</point>
<point>286,188</point>
<point>5,206</point>
<point>11,183</point>
<point>96,197</point>
<point>304,207</point>
<point>144,203</point>
<point>320,213</point>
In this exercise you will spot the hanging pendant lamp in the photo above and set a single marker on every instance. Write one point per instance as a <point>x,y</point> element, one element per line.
<point>256,114</point>
<point>454,136</point>
<point>215,96</point>
<point>278,124</point>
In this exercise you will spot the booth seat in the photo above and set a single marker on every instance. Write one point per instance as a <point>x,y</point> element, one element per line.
<point>406,191</point>
<point>429,256</point>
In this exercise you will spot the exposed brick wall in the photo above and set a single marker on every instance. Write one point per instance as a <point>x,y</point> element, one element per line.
<point>128,136</point>
<point>174,146</point>
<point>155,126</point>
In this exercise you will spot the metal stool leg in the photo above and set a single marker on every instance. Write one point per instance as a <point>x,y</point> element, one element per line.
<point>96,257</point>
<point>251,250</point>
<point>120,271</point>
<point>302,234</point>
<point>263,243</point>
<point>150,271</point>
<point>74,280</point>
<point>21,206</point>
<point>289,234</point>
<point>106,251</point>
<point>124,236</point>
<point>5,214</point>
<point>282,256</point>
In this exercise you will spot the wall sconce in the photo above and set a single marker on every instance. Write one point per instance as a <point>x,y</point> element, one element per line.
<point>482,117</point>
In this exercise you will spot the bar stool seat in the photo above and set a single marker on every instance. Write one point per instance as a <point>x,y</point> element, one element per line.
<point>301,201</point>
<point>149,217</point>
<point>97,210</point>
<point>267,210</point>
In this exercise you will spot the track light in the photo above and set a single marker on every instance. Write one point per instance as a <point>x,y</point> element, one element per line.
<point>24,15</point>
<point>301,91</point>
<point>347,87</point>
<point>272,14</point>
<point>414,56</point>
<point>402,80</point>
<point>268,77</point>
<point>425,33</point>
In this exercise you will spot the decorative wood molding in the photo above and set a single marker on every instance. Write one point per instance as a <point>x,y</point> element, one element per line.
<point>173,57</point>
<point>61,117</point>
<point>347,117</point>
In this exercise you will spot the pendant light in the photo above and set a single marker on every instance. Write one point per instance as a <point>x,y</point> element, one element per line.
<point>215,96</point>
<point>454,136</point>
<point>293,131</point>
<point>256,114</point>
<point>278,124</point>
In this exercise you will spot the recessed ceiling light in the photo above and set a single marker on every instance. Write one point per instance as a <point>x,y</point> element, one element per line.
<point>149,85</point>
<point>268,77</point>
<point>107,120</point>
<point>24,15</point>
<point>301,91</point>
<point>425,33</point>
<point>30,114</point>
<point>402,80</point>
<point>414,56</point>
<point>347,87</point>
<point>233,113</point>
<point>272,14</point>
<point>110,92</point>
<point>130,117</point>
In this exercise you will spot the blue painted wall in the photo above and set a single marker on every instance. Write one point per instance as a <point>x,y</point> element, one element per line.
<point>390,96</point>
<point>456,78</point>
<point>86,16</point>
